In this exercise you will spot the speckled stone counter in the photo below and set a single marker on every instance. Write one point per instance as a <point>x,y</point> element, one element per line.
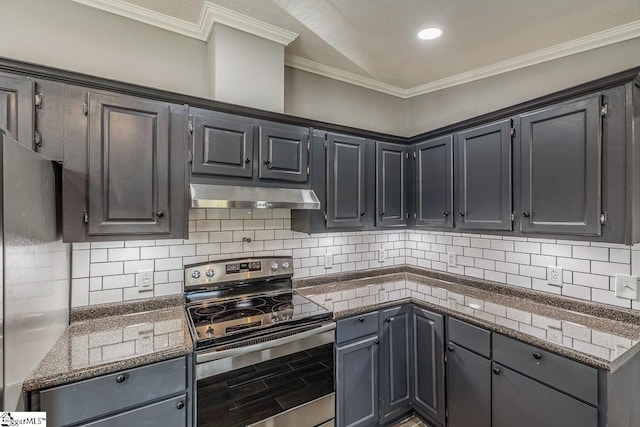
<point>568,327</point>
<point>137,334</point>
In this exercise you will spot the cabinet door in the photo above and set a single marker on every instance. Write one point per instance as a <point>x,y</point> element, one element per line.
<point>345,181</point>
<point>428,364</point>
<point>284,153</point>
<point>519,401</point>
<point>128,166</point>
<point>562,170</point>
<point>434,182</point>
<point>395,363</point>
<point>222,147</point>
<point>484,168</point>
<point>357,383</point>
<point>391,201</point>
<point>16,109</point>
<point>468,388</point>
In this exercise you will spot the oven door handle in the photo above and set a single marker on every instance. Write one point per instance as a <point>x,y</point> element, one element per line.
<point>222,354</point>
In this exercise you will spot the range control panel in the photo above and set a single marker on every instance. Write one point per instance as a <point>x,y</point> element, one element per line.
<point>236,270</point>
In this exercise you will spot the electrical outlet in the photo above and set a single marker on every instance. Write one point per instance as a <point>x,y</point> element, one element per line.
<point>382,255</point>
<point>554,275</point>
<point>328,261</point>
<point>452,259</point>
<point>144,280</point>
<point>627,286</point>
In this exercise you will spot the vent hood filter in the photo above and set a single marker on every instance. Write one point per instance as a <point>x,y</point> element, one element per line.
<point>231,196</point>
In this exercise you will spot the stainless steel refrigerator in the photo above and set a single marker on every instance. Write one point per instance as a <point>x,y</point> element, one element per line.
<point>35,267</point>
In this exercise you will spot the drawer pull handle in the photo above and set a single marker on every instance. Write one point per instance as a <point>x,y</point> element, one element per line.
<point>451,348</point>
<point>361,319</point>
<point>537,355</point>
<point>120,378</point>
<point>180,405</point>
<point>496,371</point>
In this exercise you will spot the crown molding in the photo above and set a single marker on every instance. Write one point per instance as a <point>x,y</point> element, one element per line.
<point>210,15</point>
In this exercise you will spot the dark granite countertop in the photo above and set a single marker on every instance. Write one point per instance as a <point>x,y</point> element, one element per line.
<point>135,334</point>
<point>594,334</point>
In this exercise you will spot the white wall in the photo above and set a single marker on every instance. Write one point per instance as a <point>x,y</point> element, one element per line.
<point>436,109</point>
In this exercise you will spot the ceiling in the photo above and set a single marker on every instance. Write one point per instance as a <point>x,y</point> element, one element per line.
<point>374,41</point>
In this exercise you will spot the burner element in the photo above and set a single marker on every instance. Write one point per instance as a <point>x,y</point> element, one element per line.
<point>209,310</point>
<point>235,314</point>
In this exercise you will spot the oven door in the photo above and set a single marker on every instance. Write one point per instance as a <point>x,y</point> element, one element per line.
<point>284,382</point>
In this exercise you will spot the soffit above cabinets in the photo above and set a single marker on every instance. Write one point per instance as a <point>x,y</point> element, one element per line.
<point>373,43</point>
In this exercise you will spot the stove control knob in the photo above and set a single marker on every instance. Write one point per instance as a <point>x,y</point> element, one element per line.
<point>285,264</point>
<point>195,274</point>
<point>209,331</point>
<point>274,266</point>
<point>210,273</point>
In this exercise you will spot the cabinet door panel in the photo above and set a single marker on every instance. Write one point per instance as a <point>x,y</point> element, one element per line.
<point>222,147</point>
<point>428,364</point>
<point>484,165</point>
<point>17,109</point>
<point>520,401</point>
<point>357,383</point>
<point>283,153</point>
<point>434,182</point>
<point>395,363</point>
<point>561,169</point>
<point>128,166</point>
<point>390,170</point>
<point>468,388</point>
<point>345,181</point>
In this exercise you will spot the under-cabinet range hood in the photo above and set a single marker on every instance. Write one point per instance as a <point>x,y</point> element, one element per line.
<point>233,196</point>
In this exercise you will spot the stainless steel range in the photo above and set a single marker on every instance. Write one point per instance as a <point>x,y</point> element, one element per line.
<point>264,353</point>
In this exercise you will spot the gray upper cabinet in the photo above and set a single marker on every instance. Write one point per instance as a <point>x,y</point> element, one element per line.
<point>17,108</point>
<point>391,169</point>
<point>345,181</point>
<point>284,153</point>
<point>222,147</point>
<point>484,169</point>
<point>434,183</point>
<point>561,171</point>
<point>428,364</point>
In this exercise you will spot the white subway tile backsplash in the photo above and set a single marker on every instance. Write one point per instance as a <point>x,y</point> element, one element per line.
<point>588,252</point>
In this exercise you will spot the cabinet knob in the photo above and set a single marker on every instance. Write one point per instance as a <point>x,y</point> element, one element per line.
<point>461,213</point>
<point>445,213</point>
<point>451,348</point>
<point>120,378</point>
<point>180,404</point>
<point>537,356</point>
<point>267,162</point>
<point>389,319</point>
<point>247,160</point>
<point>381,213</point>
<point>496,370</point>
<point>361,319</point>
<point>377,341</point>
<point>160,214</point>
<point>526,214</point>
<point>362,213</point>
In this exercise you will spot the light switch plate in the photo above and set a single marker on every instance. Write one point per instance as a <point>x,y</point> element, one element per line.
<point>328,261</point>
<point>452,259</point>
<point>382,255</point>
<point>144,280</point>
<point>627,286</point>
<point>554,275</point>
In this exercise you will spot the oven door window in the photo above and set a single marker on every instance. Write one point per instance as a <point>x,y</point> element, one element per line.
<point>254,393</point>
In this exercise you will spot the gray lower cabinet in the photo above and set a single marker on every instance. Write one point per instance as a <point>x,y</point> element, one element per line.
<point>484,177</point>
<point>357,383</point>
<point>395,362</point>
<point>428,364</point>
<point>520,401</point>
<point>434,182</point>
<point>284,153</point>
<point>345,205</point>
<point>153,395</point>
<point>17,108</point>
<point>391,172</point>
<point>561,172</point>
<point>468,388</point>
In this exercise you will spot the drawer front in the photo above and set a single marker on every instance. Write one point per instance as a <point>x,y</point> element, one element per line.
<point>566,375</point>
<point>470,337</point>
<point>81,401</point>
<point>170,412</point>
<point>357,327</point>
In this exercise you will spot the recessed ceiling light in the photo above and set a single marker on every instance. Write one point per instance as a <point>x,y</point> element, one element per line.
<point>430,33</point>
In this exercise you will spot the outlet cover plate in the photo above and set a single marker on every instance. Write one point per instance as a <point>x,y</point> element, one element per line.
<point>554,275</point>
<point>627,286</point>
<point>452,259</point>
<point>382,255</point>
<point>144,280</point>
<point>328,261</point>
